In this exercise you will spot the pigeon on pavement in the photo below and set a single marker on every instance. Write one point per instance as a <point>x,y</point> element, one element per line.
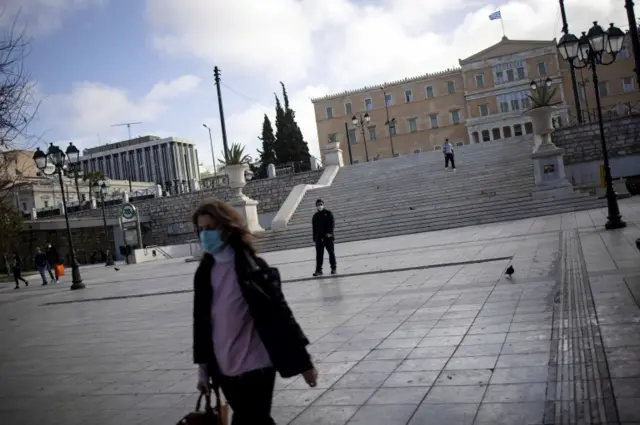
<point>510,271</point>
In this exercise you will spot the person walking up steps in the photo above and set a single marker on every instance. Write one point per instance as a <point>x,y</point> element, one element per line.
<point>323,225</point>
<point>16,268</point>
<point>448,155</point>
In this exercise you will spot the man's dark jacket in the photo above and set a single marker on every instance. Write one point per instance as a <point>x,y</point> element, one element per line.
<point>323,224</point>
<point>52,256</point>
<point>280,333</point>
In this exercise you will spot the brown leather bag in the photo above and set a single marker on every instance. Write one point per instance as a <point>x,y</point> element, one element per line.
<point>210,415</point>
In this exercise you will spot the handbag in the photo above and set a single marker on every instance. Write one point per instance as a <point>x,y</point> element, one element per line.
<point>210,415</point>
<point>59,268</point>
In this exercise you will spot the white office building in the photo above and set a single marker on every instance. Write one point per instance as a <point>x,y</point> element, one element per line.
<point>170,162</point>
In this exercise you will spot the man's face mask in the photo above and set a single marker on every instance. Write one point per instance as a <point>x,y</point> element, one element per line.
<point>320,207</point>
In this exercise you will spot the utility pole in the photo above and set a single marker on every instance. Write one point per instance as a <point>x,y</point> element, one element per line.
<point>216,77</point>
<point>213,155</point>
<point>128,124</point>
<point>572,69</point>
<point>633,34</point>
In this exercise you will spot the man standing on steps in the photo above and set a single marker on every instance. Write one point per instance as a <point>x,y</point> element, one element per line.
<point>447,149</point>
<point>323,225</point>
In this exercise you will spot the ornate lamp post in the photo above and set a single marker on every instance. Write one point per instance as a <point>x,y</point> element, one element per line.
<point>57,159</point>
<point>366,119</point>
<point>588,52</point>
<point>107,253</point>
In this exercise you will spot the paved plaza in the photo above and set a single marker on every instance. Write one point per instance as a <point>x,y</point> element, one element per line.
<point>419,330</point>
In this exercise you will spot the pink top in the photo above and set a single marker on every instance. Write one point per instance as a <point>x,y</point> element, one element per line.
<point>237,345</point>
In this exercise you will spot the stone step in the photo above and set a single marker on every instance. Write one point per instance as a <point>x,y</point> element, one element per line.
<point>302,238</point>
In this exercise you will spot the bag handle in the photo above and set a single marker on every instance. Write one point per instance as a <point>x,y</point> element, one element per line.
<point>207,397</point>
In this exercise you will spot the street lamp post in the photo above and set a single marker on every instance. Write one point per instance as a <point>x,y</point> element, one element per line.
<point>213,155</point>
<point>366,119</point>
<point>389,121</point>
<point>57,158</point>
<point>633,35</point>
<point>107,253</point>
<point>589,50</point>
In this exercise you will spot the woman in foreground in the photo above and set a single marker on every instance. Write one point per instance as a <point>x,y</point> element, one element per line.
<point>243,330</point>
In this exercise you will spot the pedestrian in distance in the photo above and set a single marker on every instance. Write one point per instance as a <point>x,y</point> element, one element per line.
<point>53,259</point>
<point>41,263</point>
<point>323,225</point>
<point>447,149</point>
<point>16,269</point>
<point>243,329</point>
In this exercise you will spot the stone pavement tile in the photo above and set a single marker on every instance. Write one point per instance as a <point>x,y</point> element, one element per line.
<point>345,397</point>
<point>529,326</point>
<point>409,333</point>
<point>452,331</point>
<point>439,341</point>
<point>325,380</point>
<point>156,401</point>
<point>624,368</point>
<point>515,393</point>
<point>362,344</point>
<point>629,409</point>
<point>622,353</point>
<point>477,362</point>
<point>409,365</point>
<point>439,414</point>
<point>489,329</point>
<point>366,366</point>
<point>526,347</point>
<point>519,375</point>
<point>626,387</point>
<point>362,380</point>
<point>486,338</point>
<point>296,398</point>
<point>464,377</point>
<point>334,367</point>
<point>346,356</point>
<point>455,394</point>
<point>478,350</point>
<point>541,335</point>
<point>510,413</point>
<point>411,379</point>
<point>325,415</point>
<point>388,354</point>
<point>399,343</point>
<point>522,360</point>
<point>399,395</point>
<point>285,414</point>
<point>398,414</point>
<point>432,352</point>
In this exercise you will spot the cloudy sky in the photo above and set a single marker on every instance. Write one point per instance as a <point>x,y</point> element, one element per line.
<point>105,62</point>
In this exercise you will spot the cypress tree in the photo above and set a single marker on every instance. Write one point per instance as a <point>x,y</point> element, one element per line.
<point>297,150</point>
<point>268,153</point>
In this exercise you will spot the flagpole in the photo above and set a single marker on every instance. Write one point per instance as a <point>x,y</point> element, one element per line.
<point>502,23</point>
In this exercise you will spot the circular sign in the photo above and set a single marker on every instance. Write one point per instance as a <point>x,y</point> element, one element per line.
<point>128,211</point>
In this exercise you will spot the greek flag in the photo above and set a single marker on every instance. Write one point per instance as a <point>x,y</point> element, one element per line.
<point>495,15</point>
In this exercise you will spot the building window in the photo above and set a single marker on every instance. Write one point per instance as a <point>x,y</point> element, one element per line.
<point>484,109</point>
<point>499,77</point>
<point>510,75</point>
<point>388,99</point>
<point>433,121</point>
<point>603,87</point>
<point>372,132</point>
<point>46,204</point>
<point>521,73</point>
<point>451,87</point>
<point>515,105</point>
<point>392,129</point>
<point>408,96</point>
<point>347,108</point>
<point>506,132</point>
<point>517,130</point>
<point>332,138</point>
<point>352,136</point>
<point>485,136</point>
<point>24,206</point>
<point>455,117</point>
<point>368,104</point>
<point>504,104</point>
<point>480,81</point>
<point>476,137</point>
<point>528,128</point>
<point>329,112</point>
<point>542,68</point>
<point>496,134</point>
<point>430,92</point>
<point>627,84</point>
<point>413,125</point>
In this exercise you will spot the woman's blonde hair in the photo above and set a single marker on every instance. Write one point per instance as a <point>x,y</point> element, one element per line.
<point>233,229</point>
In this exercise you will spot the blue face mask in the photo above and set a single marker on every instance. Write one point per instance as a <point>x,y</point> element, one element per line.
<point>211,241</point>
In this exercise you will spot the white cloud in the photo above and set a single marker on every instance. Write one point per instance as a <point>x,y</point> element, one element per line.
<point>42,16</point>
<point>318,47</point>
<point>92,108</point>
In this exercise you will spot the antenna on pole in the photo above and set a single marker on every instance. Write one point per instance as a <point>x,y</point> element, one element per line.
<point>128,124</point>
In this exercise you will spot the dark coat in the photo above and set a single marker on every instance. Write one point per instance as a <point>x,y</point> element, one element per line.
<point>52,256</point>
<point>280,333</point>
<point>322,223</point>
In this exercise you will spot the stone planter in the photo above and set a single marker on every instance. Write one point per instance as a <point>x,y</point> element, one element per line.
<point>542,124</point>
<point>237,179</point>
